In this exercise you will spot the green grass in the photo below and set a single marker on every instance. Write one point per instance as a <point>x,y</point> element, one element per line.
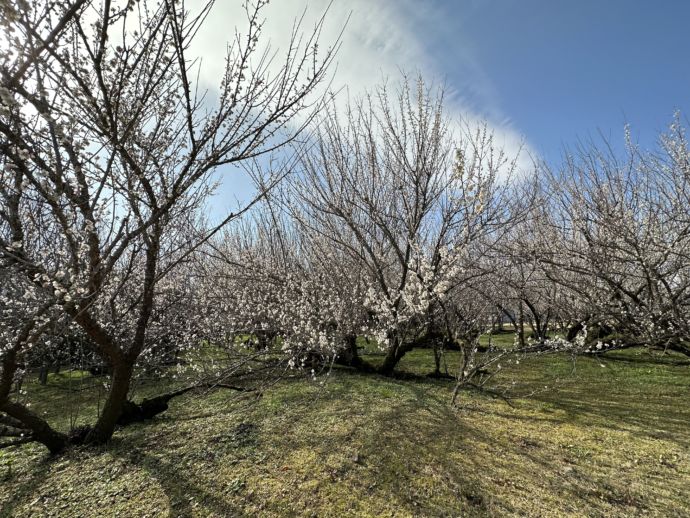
<point>609,439</point>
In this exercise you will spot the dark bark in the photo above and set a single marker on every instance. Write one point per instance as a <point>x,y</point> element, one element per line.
<point>393,356</point>
<point>119,388</point>
<point>43,375</point>
<point>350,357</point>
<point>521,324</point>
<point>16,442</point>
<point>437,360</point>
<point>681,348</point>
<point>10,421</point>
<point>443,343</point>
<point>595,331</point>
<point>10,431</point>
<point>99,370</point>
<point>123,360</point>
<point>574,330</point>
<point>41,431</point>
<point>264,339</point>
<point>399,349</point>
<point>510,316</point>
<point>18,413</point>
<point>539,324</point>
<point>149,408</point>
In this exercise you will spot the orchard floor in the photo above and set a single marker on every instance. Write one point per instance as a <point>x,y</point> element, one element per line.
<point>611,438</point>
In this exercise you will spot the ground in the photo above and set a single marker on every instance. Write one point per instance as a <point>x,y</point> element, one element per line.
<point>600,437</point>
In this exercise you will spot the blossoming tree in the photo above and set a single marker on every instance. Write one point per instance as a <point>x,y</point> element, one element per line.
<point>108,147</point>
<point>387,186</point>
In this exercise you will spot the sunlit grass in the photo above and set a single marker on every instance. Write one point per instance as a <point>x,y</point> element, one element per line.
<point>598,437</point>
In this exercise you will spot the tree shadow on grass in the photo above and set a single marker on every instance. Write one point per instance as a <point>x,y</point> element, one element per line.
<point>649,416</point>
<point>183,454</point>
<point>182,487</point>
<point>423,457</point>
<point>479,460</point>
<point>647,360</point>
<point>366,444</point>
<point>27,489</point>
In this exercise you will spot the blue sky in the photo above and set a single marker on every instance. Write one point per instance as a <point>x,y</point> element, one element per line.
<point>563,70</point>
<point>542,73</point>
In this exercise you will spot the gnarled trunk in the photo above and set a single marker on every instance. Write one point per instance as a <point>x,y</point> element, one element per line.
<point>399,349</point>
<point>41,431</point>
<point>395,354</point>
<point>105,426</point>
<point>350,357</point>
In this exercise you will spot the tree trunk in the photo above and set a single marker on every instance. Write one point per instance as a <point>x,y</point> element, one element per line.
<point>437,360</point>
<point>395,354</point>
<point>43,375</point>
<point>456,392</point>
<point>521,324</point>
<point>681,348</point>
<point>350,356</point>
<point>114,404</point>
<point>399,349</point>
<point>511,317</point>
<point>389,362</point>
<point>40,429</point>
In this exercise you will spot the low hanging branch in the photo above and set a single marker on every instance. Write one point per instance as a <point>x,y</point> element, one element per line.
<point>149,408</point>
<point>12,433</point>
<point>10,421</point>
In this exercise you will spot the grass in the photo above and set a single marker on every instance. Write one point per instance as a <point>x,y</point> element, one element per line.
<point>609,439</point>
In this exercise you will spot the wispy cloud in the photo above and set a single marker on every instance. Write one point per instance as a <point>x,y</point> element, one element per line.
<point>381,39</point>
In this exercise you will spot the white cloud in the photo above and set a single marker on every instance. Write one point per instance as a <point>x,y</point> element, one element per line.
<point>376,42</point>
<point>381,39</point>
